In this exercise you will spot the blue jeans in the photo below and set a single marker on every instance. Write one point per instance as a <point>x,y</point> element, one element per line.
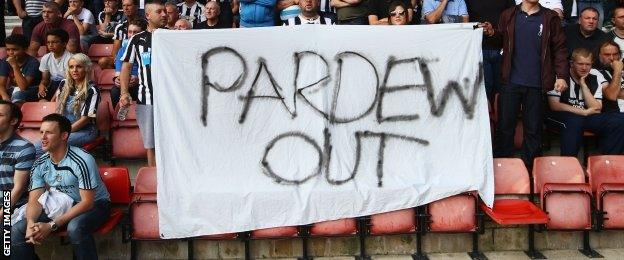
<point>511,98</point>
<point>28,95</point>
<point>79,230</point>
<point>492,74</point>
<point>78,138</point>
<point>608,126</point>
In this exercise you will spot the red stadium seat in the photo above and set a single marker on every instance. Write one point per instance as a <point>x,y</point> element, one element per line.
<point>333,228</point>
<point>606,177</point>
<point>97,51</point>
<point>105,80</point>
<point>17,30</point>
<point>457,214</point>
<point>126,140</point>
<point>117,181</point>
<point>31,122</point>
<point>103,125</point>
<point>512,178</point>
<point>390,223</point>
<point>564,196</point>
<point>143,210</point>
<point>270,233</point>
<point>95,73</point>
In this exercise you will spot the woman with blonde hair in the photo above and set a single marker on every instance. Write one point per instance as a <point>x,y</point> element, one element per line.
<point>78,98</point>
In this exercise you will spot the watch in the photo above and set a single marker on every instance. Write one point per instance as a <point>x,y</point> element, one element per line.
<point>53,226</point>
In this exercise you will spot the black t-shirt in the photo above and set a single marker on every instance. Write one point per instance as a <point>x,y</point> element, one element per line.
<point>574,39</point>
<point>205,25</point>
<point>488,11</point>
<point>380,7</point>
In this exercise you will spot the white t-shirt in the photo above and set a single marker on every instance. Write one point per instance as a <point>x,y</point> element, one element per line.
<point>56,67</point>
<point>85,16</point>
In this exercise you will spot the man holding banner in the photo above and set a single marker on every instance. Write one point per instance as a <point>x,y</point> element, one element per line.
<point>140,51</point>
<point>534,62</point>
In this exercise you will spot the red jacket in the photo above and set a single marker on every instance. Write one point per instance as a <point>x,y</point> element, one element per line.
<point>554,52</point>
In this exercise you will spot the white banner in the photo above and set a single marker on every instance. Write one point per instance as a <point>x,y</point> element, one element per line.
<point>267,127</point>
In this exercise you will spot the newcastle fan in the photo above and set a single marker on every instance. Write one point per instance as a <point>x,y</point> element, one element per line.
<point>140,51</point>
<point>309,15</point>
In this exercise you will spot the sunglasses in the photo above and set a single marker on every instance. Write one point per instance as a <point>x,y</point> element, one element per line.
<point>401,13</point>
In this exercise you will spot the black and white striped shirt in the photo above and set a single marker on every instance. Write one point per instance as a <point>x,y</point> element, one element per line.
<point>139,51</point>
<point>116,19</point>
<point>299,20</point>
<point>34,7</point>
<point>193,13</point>
<point>121,31</point>
<point>91,102</point>
<point>326,7</point>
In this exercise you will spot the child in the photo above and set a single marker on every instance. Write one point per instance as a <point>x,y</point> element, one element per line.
<point>20,70</point>
<point>53,64</point>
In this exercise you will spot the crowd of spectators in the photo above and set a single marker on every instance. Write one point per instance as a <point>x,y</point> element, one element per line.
<point>558,63</point>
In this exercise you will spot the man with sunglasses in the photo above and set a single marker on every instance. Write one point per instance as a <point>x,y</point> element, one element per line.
<point>309,15</point>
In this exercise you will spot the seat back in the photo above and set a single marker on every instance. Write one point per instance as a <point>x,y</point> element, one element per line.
<point>453,214</point>
<point>105,79</point>
<point>35,111</point>
<point>146,181</point>
<point>126,139</point>
<point>144,219</point>
<point>277,232</point>
<point>103,116</point>
<point>556,169</point>
<point>510,176</point>
<point>340,227</point>
<point>97,51</point>
<point>394,222</point>
<point>605,169</point>
<point>117,181</point>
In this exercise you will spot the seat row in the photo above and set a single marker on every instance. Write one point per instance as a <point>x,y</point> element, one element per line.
<point>566,203</point>
<point>119,139</point>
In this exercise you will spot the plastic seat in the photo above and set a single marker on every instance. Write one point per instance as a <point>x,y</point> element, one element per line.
<point>33,115</point>
<point>453,214</point>
<point>340,227</point>
<point>403,221</point>
<point>457,214</point>
<point>394,222</point>
<point>126,140</point>
<point>143,210</point>
<point>606,177</point>
<point>564,196</point>
<point>97,51</point>
<point>105,79</point>
<point>277,232</point>
<point>512,178</point>
<point>571,203</point>
<point>117,181</point>
<point>103,125</point>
